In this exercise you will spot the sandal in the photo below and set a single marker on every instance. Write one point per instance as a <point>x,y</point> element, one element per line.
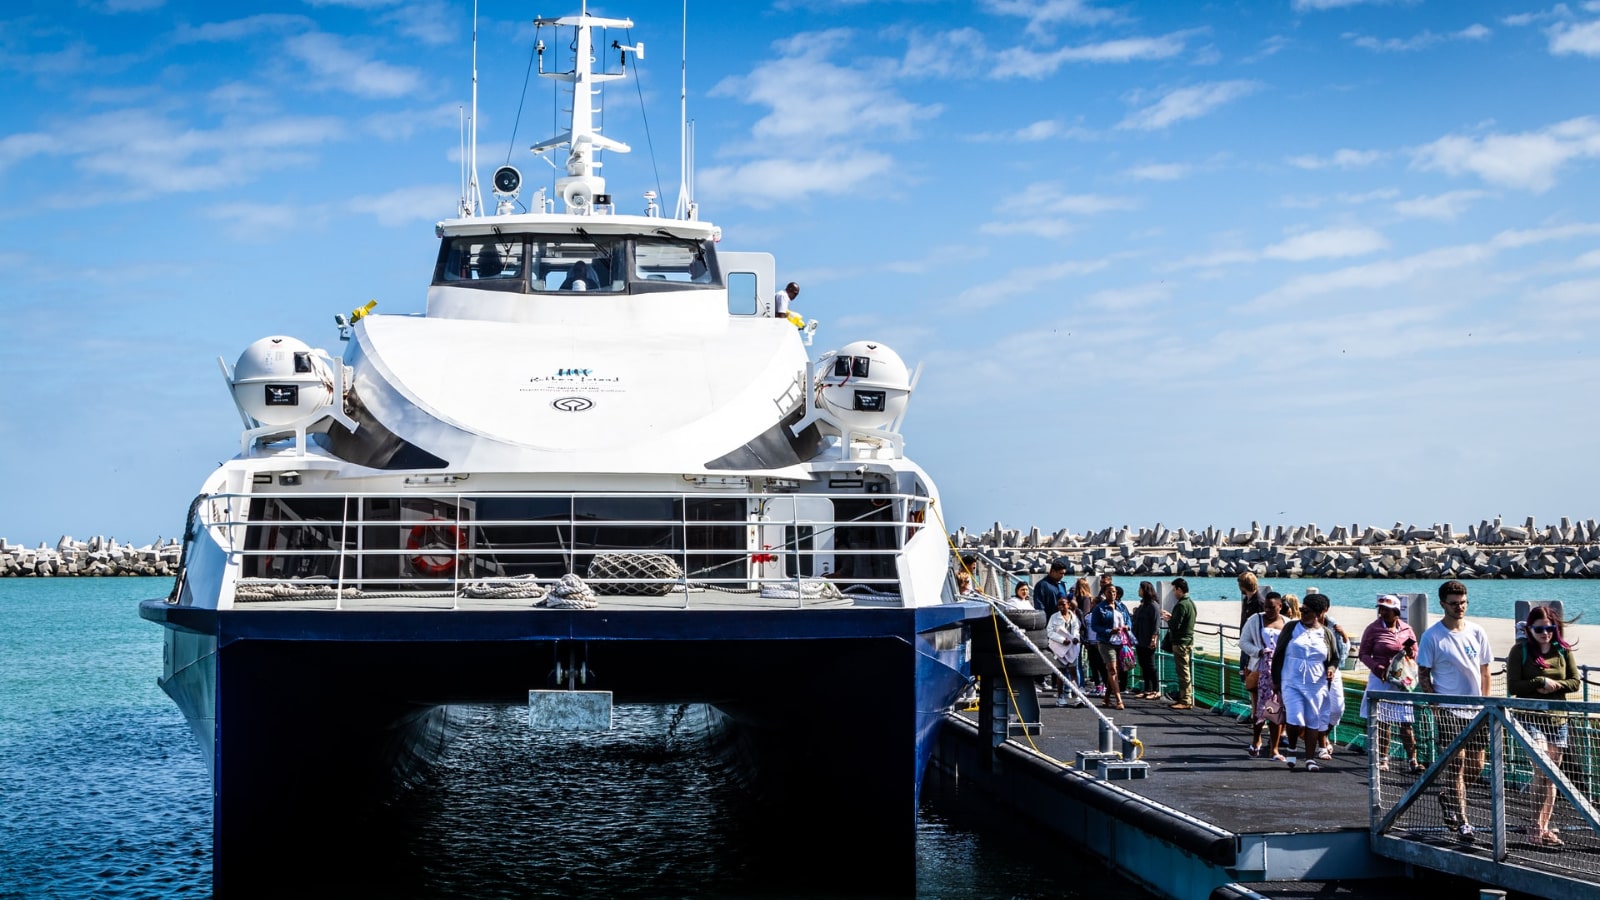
<point>1119,705</point>
<point>1279,757</point>
<point>1290,761</point>
<point>1549,839</point>
<point>1311,766</point>
<point>1254,750</point>
<point>1415,765</point>
<point>1324,753</point>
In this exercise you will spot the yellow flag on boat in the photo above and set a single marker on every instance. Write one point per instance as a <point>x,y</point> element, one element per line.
<point>360,311</point>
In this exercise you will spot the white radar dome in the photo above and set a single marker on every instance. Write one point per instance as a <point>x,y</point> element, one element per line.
<point>279,380</point>
<point>864,385</point>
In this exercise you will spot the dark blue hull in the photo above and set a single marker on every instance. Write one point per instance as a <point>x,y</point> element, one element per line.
<point>319,718</point>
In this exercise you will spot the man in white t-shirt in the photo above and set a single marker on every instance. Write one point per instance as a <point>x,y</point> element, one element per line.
<point>782,299</point>
<point>1453,657</point>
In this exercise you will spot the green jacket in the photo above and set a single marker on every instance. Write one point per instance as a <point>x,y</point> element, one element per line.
<point>1181,625</point>
<point>1522,670</point>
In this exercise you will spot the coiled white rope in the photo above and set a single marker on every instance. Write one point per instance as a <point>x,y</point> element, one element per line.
<point>524,587</point>
<point>808,590</point>
<point>570,593</point>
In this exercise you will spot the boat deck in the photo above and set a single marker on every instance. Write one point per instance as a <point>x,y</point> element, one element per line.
<point>488,601</point>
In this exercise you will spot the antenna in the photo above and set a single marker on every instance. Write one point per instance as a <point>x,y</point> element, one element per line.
<point>472,201</point>
<point>684,203</point>
<point>461,137</point>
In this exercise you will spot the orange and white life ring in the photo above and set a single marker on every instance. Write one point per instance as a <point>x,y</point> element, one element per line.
<point>436,543</point>
<point>916,518</point>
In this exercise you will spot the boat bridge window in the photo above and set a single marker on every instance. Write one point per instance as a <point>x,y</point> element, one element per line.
<point>572,264</point>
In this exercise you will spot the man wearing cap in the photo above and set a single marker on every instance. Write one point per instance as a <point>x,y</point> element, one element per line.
<point>1453,657</point>
<point>781,300</point>
<point>1385,639</point>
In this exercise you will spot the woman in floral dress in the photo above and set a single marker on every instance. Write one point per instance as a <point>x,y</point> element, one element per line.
<point>1269,709</point>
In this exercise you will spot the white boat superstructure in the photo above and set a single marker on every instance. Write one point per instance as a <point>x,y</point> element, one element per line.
<point>599,446</point>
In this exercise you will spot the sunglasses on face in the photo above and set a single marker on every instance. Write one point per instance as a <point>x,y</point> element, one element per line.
<point>1461,602</point>
<point>1543,629</point>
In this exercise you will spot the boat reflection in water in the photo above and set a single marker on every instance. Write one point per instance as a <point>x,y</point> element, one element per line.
<point>656,808</point>
<point>600,468</point>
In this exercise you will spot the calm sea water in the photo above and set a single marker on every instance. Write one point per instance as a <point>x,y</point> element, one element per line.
<point>103,792</point>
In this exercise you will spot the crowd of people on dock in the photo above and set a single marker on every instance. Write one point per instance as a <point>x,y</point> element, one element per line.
<point>1290,655</point>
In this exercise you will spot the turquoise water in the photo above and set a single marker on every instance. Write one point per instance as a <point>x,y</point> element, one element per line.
<point>1493,598</point>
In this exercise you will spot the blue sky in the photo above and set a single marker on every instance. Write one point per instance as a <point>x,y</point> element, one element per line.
<point>1295,261</point>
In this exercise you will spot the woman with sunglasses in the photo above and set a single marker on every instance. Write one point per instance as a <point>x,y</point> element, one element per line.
<point>1541,667</point>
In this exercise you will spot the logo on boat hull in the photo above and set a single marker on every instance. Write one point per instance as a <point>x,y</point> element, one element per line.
<point>572,404</point>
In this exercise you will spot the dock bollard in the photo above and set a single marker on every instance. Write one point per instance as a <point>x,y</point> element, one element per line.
<point>1128,736</point>
<point>1108,736</point>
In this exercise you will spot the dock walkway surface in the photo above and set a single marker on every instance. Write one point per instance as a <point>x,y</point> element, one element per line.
<point>1313,823</point>
<point>1199,765</point>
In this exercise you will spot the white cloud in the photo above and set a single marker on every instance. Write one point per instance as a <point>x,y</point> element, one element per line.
<point>1529,160</point>
<point>1128,298</point>
<point>945,54</point>
<point>341,67</point>
<point>1043,209</point>
<point>431,22</point>
<point>1021,62</point>
<point>1570,297</point>
<point>1326,243</point>
<point>239,29</point>
<point>814,100</point>
<point>1389,273</point>
<point>1160,171</point>
<point>1582,38</point>
<point>1043,228</point>
<point>1341,159</point>
<point>1444,207</point>
<point>1188,103</point>
<point>1329,243</point>
<point>149,154</point>
<point>16,147</point>
<point>1321,5</point>
<point>402,206</point>
<point>768,182</point>
<point>1042,130</point>
<point>1043,13</point>
<point>1023,282</point>
<point>1420,41</point>
<point>259,221</point>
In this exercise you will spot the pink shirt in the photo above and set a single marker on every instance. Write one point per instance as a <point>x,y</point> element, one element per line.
<point>1379,644</point>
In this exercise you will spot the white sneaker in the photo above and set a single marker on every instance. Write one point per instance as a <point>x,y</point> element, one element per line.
<point>1061,700</point>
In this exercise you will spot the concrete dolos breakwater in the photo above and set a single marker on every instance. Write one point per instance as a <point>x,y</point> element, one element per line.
<point>1490,549</point>
<point>96,557</point>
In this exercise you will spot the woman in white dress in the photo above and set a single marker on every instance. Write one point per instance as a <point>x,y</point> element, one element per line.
<point>1064,631</point>
<point>1303,665</point>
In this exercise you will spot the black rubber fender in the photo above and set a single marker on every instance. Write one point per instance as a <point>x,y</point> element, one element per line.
<point>1015,664</point>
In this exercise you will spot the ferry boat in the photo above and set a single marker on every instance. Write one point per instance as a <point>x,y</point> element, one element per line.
<point>600,467</point>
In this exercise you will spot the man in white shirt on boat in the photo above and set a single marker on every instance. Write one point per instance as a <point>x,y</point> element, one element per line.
<point>782,299</point>
<point>1453,657</point>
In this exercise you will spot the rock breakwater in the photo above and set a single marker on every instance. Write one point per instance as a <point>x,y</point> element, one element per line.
<point>98,556</point>
<point>1490,549</point>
